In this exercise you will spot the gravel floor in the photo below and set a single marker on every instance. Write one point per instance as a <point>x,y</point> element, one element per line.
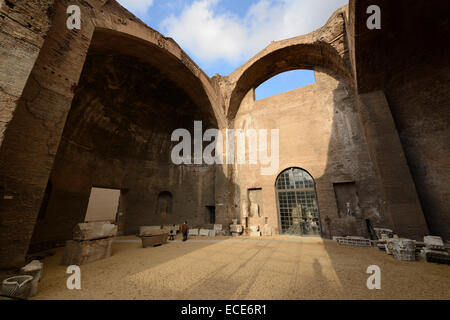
<point>245,268</point>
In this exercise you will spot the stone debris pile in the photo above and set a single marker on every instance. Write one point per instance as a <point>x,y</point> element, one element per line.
<point>432,248</point>
<point>254,231</point>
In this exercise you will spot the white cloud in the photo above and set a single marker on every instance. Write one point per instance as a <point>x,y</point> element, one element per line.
<point>138,7</point>
<point>211,36</point>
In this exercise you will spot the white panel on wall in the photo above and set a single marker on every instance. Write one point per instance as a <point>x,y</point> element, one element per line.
<point>103,205</point>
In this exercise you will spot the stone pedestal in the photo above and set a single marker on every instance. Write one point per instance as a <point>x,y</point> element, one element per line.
<point>81,252</point>
<point>93,231</point>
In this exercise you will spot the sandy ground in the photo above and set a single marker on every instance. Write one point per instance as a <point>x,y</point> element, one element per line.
<point>245,268</point>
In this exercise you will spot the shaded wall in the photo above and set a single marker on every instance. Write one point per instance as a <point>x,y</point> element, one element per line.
<point>419,101</point>
<point>118,135</point>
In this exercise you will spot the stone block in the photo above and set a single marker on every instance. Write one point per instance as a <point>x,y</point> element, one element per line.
<point>81,252</point>
<point>150,231</point>
<point>436,256</point>
<point>193,232</point>
<point>404,249</point>
<point>34,269</point>
<point>154,240</point>
<point>218,227</point>
<point>236,228</point>
<point>204,232</point>
<point>267,231</point>
<point>17,287</point>
<point>254,228</point>
<point>433,241</point>
<point>93,231</point>
<point>212,233</point>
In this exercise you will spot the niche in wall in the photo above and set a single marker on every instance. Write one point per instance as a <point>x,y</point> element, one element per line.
<point>255,203</point>
<point>347,199</point>
<point>164,207</point>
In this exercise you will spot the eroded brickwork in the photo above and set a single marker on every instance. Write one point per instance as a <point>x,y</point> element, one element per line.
<point>112,128</point>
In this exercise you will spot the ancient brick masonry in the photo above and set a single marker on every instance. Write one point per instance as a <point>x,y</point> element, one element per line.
<point>97,106</point>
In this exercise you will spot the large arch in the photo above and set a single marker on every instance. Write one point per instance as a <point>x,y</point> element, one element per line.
<point>45,103</point>
<point>325,48</point>
<point>130,98</point>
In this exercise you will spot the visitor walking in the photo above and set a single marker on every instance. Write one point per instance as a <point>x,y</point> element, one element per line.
<point>185,230</point>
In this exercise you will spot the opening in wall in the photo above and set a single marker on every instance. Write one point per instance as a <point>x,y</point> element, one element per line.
<point>164,207</point>
<point>347,199</point>
<point>283,82</point>
<point>255,202</point>
<point>211,214</point>
<point>121,212</point>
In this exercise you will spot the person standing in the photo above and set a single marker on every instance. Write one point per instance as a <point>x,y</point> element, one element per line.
<point>172,233</point>
<point>185,230</point>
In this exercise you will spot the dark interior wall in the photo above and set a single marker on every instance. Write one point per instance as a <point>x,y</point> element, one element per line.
<point>419,101</point>
<point>408,60</point>
<point>118,135</point>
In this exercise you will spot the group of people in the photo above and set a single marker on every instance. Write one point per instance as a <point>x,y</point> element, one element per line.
<point>184,231</point>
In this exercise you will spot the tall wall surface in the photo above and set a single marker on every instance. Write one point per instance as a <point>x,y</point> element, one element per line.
<point>320,131</point>
<point>95,107</point>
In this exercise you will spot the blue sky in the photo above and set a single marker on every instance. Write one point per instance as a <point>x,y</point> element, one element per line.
<point>221,35</point>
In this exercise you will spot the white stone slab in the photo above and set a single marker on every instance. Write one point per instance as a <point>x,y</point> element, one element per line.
<point>254,228</point>
<point>433,241</point>
<point>34,265</point>
<point>267,230</point>
<point>204,232</point>
<point>193,232</point>
<point>218,227</point>
<point>237,228</point>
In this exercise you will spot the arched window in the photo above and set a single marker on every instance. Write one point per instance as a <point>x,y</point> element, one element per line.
<point>298,209</point>
<point>164,207</point>
<point>283,82</point>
